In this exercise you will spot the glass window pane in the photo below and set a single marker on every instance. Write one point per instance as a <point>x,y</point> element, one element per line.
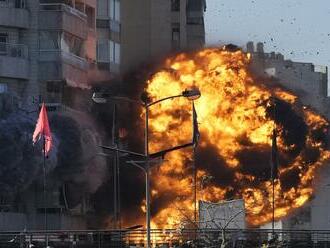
<point>112,51</point>
<point>117,10</point>
<point>117,53</point>
<point>112,9</point>
<point>49,40</point>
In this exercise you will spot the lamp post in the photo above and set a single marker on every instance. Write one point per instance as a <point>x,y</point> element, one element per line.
<point>192,95</point>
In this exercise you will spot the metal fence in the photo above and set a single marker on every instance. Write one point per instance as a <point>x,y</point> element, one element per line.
<point>166,238</point>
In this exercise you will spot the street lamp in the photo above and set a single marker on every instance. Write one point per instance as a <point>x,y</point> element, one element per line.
<point>192,95</point>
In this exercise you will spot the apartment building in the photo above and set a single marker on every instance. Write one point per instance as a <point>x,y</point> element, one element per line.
<point>308,81</point>
<point>45,47</point>
<point>50,46</point>
<point>134,32</point>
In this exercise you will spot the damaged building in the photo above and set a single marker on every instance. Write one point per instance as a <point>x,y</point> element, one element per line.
<point>308,81</point>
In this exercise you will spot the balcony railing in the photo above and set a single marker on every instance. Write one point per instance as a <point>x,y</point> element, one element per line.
<point>13,50</point>
<point>62,7</point>
<point>59,55</point>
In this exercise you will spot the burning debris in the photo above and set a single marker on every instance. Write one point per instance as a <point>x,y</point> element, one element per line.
<point>237,116</point>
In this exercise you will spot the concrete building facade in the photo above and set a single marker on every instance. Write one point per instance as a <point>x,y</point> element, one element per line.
<point>308,81</point>
<point>48,46</point>
<point>134,32</point>
<point>45,46</point>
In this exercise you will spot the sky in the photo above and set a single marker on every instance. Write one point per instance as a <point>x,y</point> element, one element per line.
<point>299,29</point>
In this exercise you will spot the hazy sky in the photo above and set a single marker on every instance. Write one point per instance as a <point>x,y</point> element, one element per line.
<point>300,29</point>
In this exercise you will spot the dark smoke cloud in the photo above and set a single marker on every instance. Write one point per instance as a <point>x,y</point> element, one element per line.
<point>255,161</point>
<point>208,159</point>
<point>72,160</point>
<point>293,126</point>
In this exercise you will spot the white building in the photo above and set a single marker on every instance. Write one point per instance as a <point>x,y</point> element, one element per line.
<point>222,215</point>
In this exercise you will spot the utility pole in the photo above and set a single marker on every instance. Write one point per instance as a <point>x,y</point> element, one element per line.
<point>115,183</point>
<point>146,149</point>
<point>274,164</point>
<point>190,95</point>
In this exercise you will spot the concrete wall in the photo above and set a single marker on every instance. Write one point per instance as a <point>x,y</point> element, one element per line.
<point>301,78</point>
<point>56,222</point>
<point>14,17</point>
<point>160,32</point>
<point>135,33</point>
<point>63,20</point>
<point>12,221</point>
<point>320,205</point>
<point>12,67</point>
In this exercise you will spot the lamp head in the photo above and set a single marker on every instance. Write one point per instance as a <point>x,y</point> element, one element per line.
<point>192,94</point>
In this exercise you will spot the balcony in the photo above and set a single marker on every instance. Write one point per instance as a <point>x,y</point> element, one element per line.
<point>14,14</point>
<point>63,17</point>
<point>14,61</point>
<point>60,65</point>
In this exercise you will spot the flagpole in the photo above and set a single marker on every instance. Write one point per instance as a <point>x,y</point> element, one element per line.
<point>115,170</point>
<point>44,188</point>
<point>195,144</point>
<point>274,163</point>
<point>194,164</point>
<point>195,185</point>
<point>273,219</point>
<point>42,130</point>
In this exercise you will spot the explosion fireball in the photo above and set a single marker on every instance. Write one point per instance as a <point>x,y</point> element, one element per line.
<point>236,120</point>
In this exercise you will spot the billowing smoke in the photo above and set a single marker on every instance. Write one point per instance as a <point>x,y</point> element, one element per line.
<point>73,160</point>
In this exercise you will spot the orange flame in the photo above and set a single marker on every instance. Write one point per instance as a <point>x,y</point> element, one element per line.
<point>231,109</point>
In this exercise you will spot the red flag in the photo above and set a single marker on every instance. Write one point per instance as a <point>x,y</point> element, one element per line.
<point>43,130</point>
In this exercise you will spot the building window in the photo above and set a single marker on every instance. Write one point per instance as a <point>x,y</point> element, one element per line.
<point>3,43</point>
<point>3,88</point>
<point>176,36</point>
<point>49,40</point>
<point>72,44</point>
<point>102,9</point>
<point>19,4</point>
<point>61,41</point>
<point>114,52</point>
<point>115,10</point>
<point>103,48</point>
<point>175,5</point>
